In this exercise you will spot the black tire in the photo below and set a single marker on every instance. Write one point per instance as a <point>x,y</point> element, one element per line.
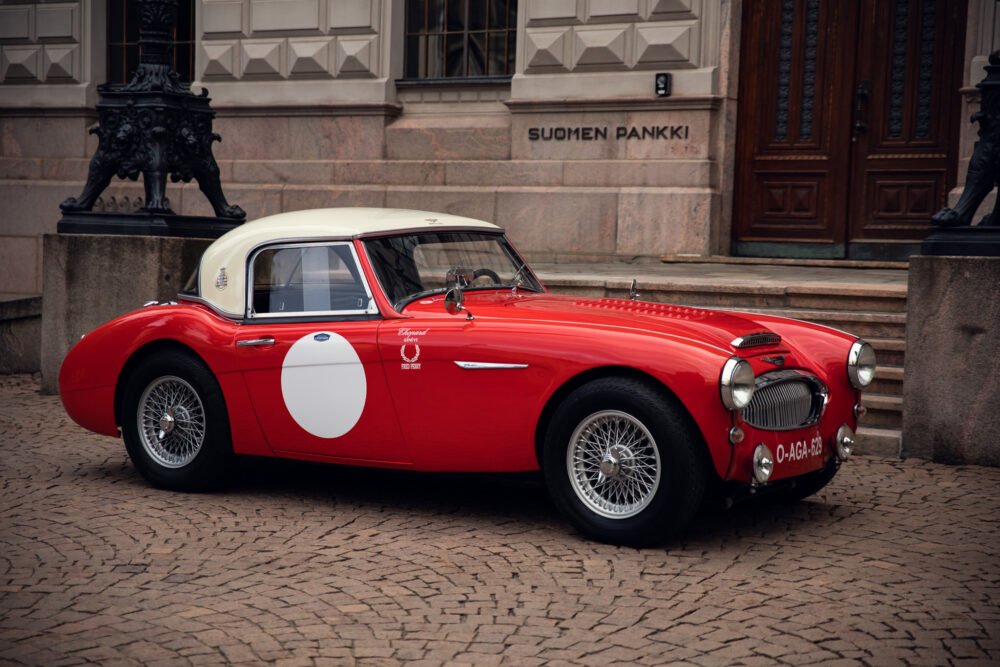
<point>666,507</point>
<point>807,485</point>
<point>180,460</point>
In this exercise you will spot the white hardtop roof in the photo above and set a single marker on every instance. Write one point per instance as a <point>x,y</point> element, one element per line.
<point>230,251</point>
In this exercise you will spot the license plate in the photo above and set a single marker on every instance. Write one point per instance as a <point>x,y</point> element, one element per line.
<point>799,451</point>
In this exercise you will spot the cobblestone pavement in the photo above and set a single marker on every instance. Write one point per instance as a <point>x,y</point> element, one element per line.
<point>895,563</point>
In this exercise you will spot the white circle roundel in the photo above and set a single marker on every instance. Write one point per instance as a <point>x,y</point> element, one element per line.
<point>323,384</point>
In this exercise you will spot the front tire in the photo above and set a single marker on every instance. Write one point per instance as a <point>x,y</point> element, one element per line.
<point>175,424</point>
<point>624,462</point>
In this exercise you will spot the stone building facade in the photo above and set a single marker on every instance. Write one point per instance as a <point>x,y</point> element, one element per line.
<point>574,153</point>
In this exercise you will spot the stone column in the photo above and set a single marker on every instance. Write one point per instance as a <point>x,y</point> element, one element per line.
<point>952,370</point>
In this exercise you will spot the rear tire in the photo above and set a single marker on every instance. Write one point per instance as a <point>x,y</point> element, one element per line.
<point>175,424</point>
<point>624,462</point>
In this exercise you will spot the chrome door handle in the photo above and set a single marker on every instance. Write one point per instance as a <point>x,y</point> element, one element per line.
<point>255,342</point>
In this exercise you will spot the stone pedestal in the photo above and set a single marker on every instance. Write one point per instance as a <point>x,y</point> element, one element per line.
<point>89,279</point>
<point>952,371</point>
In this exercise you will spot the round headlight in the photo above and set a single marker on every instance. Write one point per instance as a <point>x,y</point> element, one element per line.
<point>737,383</point>
<point>861,364</point>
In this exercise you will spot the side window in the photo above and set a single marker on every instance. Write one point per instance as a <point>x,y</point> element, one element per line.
<point>308,279</point>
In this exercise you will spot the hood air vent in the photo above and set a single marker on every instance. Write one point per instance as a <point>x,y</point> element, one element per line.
<point>756,340</point>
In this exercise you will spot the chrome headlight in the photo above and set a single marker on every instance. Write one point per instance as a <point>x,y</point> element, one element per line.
<point>861,364</point>
<point>736,383</point>
<point>763,463</point>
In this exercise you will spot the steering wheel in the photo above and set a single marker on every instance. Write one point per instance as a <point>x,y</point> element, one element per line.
<point>490,273</point>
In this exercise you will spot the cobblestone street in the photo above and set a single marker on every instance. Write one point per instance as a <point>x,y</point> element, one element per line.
<point>896,562</point>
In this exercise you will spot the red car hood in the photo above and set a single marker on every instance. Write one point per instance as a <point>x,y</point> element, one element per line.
<point>715,327</point>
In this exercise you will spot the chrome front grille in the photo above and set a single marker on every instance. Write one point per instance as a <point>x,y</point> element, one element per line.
<point>785,400</point>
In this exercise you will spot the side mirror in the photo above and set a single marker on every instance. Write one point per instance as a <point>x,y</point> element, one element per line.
<point>454,302</point>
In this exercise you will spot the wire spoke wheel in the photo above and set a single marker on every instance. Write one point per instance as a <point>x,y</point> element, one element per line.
<point>613,464</point>
<point>171,421</point>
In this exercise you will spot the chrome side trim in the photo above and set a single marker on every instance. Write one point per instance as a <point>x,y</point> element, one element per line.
<point>486,366</point>
<point>255,342</point>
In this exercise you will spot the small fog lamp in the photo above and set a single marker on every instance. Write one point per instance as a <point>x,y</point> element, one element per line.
<point>845,442</point>
<point>763,463</point>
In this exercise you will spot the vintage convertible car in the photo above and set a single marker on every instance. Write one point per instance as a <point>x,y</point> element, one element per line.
<point>408,339</point>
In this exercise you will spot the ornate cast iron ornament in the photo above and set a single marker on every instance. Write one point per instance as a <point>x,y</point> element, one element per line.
<point>155,126</point>
<point>952,231</point>
<point>984,167</point>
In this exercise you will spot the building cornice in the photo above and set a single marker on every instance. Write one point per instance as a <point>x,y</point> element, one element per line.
<point>705,102</point>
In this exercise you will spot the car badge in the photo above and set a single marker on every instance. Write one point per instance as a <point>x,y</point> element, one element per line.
<point>222,279</point>
<point>777,361</point>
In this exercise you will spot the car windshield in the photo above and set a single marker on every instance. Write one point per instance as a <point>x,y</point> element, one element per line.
<point>416,265</point>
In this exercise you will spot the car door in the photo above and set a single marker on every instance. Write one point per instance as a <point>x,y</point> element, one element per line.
<point>467,394</point>
<point>308,351</point>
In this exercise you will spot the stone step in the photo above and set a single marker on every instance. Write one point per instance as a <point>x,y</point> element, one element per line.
<point>878,442</point>
<point>888,380</point>
<point>889,351</point>
<point>884,412</point>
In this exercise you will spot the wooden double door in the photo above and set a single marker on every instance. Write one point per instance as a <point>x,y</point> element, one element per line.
<point>848,125</point>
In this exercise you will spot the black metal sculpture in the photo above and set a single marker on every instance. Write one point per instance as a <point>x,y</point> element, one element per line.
<point>952,231</point>
<point>155,126</point>
<point>984,167</point>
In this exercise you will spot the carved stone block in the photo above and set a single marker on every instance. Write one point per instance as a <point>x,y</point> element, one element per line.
<point>282,15</point>
<point>309,56</point>
<point>261,58</point>
<point>21,63</point>
<point>565,11</point>
<point>58,21</point>
<point>220,59</point>
<point>357,56</point>
<point>604,47</point>
<point>663,44</point>
<point>15,22</point>
<point>60,63</point>
<point>547,48</point>
<point>351,15</point>
<point>223,17</point>
<point>686,7</point>
<point>619,10</point>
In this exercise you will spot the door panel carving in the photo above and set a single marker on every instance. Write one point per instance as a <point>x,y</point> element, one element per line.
<point>847,123</point>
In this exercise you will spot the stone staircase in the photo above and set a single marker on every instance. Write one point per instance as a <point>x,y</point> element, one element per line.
<point>870,303</point>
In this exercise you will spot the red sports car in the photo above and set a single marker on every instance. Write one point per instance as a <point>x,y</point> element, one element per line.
<point>408,339</point>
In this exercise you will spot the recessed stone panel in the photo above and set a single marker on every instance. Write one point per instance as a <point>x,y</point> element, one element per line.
<point>280,15</point>
<point>560,221</point>
<point>223,17</point>
<point>356,56</point>
<point>618,10</point>
<point>665,221</point>
<point>60,63</point>
<point>57,22</point>
<point>351,15</point>
<point>663,44</point>
<point>220,59</point>
<point>599,47</point>
<point>309,57</point>
<point>15,21</point>
<point>546,49</point>
<point>562,11</point>
<point>21,63</point>
<point>261,58</point>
